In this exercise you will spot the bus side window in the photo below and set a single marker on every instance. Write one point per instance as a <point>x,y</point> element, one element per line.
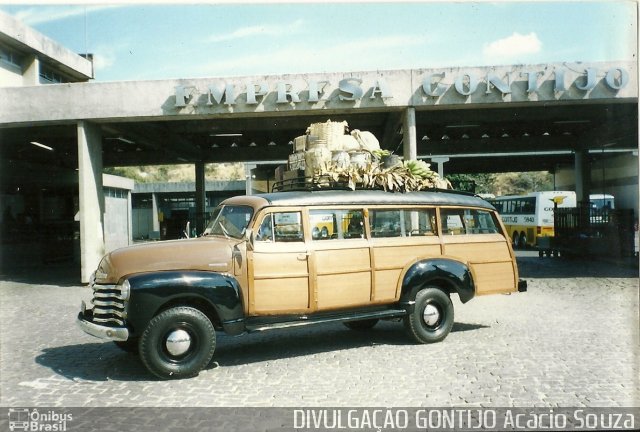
<point>281,227</point>
<point>265,232</point>
<point>452,222</point>
<point>479,222</point>
<point>402,223</point>
<point>337,224</point>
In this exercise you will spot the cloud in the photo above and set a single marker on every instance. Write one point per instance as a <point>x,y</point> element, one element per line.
<point>39,15</point>
<point>259,30</point>
<point>103,60</point>
<point>514,47</point>
<point>105,56</point>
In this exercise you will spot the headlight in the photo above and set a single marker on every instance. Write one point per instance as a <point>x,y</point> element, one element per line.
<point>125,289</point>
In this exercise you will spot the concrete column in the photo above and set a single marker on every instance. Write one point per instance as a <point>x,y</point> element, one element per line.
<point>409,139</point>
<point>91,199</point>
<point>248,167</point>
<point>31,75</point>
<point>201,197</point>
<point>440,160</point>
<point>154,210</point>
<point>129,218</point>
<point>582,175</point>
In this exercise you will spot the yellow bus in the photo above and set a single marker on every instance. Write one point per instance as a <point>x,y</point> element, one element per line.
<point>529,217</point>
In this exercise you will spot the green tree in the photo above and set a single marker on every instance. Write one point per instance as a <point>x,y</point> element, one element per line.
<point>521,183</point>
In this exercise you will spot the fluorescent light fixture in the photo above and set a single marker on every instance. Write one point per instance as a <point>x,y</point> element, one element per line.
<point>462,126</point>
<point>253,144</point>
<point>271,144</point>
<point>122,139</point>
<point>571,121</point>
<point>182,159</point>
<point>226,135</point>
<point>425,138</point>
<point>46,147</point>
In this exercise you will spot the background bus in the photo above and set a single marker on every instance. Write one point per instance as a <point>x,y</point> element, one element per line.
<point>529,217</point>
<point>602,201</point>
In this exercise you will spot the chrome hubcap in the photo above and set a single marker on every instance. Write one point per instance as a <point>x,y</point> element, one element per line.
<point>431,315</point>
<point>178,342</point>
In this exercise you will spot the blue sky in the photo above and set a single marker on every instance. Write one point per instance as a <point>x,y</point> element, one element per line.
<point>159,41</point>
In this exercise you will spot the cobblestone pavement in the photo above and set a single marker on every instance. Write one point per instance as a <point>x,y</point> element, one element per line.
<point>571,340</point>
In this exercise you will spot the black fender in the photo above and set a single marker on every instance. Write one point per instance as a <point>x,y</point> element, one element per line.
<point>151,291</point>
<point>452,275</point>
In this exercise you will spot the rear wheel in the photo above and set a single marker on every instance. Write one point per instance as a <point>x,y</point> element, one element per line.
<point>515,240</point>
<point>432,316</point>
<point>178,343</point>
<point>523,240</point>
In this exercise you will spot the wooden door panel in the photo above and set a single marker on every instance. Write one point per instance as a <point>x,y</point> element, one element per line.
<point>343,290</point>
<point>279,265</point>
<point>281,295</point>
<point>342,260</point>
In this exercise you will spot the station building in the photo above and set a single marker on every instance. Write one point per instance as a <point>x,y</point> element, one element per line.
<point>577,120</point>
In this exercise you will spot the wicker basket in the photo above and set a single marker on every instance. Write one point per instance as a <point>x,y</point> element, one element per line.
<point>330,132</point>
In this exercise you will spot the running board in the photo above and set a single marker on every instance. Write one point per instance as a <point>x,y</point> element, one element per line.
<point>303,320</point>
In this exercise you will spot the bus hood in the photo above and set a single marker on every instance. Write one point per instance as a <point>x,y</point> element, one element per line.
<point>205,253</point>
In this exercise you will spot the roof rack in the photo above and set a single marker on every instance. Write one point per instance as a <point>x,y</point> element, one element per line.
<point>323,183</point>
<point>308,184</point>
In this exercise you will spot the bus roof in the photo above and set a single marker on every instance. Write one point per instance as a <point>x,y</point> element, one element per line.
<point>365,197</point>
<point>535,194</point>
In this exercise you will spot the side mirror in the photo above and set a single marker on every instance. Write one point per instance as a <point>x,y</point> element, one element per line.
<point>250,238</point>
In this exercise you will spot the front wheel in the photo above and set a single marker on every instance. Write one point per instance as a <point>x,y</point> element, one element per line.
<point>432,316</point>
<point>178,343</point>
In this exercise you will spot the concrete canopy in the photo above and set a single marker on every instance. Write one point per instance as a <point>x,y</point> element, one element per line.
<point>513,118</point>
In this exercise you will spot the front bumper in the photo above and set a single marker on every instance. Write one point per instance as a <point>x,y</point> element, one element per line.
<point>100,331</point>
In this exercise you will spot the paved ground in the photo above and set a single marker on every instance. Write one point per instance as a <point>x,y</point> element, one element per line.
<point>572,340</point>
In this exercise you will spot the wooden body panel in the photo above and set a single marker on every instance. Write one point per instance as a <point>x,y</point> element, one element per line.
<point>327,274</point>
<point>343,290</point>
<point>281,295</point>
<point>386,288</point>
<point>279,278</point>
<point>492,278</point>
<point>490,258</point>
<point>343,273</point>
<point>391,256</point>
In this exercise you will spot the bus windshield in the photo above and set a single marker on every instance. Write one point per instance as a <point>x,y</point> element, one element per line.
<point>229,221</point>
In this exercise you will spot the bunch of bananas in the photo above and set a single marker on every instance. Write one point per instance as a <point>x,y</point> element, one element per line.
<point>419,169</point>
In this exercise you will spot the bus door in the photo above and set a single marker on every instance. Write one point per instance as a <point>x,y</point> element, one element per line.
<point>279,266</point>
<point>341,263</point>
